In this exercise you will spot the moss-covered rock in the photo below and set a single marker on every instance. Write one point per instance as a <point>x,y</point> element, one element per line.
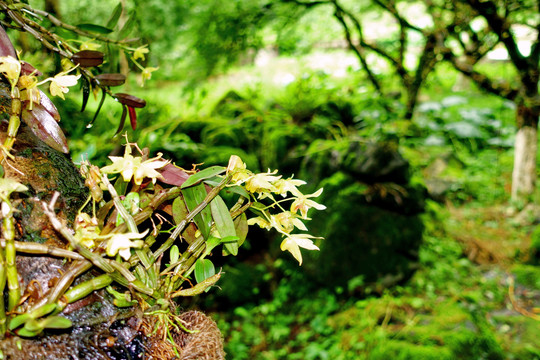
<point>369,231</point>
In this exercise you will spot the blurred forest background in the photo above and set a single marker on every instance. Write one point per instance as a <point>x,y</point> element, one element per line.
<point>418,118</point>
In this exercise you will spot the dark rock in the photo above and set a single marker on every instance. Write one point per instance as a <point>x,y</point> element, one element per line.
<point>366,234</point>
<point>376,162</point>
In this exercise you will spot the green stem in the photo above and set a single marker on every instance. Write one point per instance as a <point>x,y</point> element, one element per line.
<point>180,227</point>
<point>8,229</point>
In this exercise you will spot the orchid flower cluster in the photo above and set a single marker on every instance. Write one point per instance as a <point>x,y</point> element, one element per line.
<point>25,78</point>
<point>265,186</point>
<point>259,186</point>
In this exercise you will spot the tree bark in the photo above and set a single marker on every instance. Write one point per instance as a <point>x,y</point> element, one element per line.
<point>526,146</point>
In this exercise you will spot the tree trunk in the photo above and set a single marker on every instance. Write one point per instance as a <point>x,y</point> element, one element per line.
<point>526,145</point>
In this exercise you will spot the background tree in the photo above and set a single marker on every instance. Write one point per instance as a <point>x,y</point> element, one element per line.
<point>467,31</point>
<point>408,47</point>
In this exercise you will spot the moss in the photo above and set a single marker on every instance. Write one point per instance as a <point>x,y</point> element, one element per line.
<point>400,350</point>
<point>517,334</point>
<point>528,275</point>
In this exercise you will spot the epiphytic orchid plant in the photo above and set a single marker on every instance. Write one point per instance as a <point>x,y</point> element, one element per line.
<point>152,224</point>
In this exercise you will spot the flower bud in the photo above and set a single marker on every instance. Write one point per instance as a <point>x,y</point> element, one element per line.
<point>130,100</point>
<point>110,79</point>
<point>88,58</point>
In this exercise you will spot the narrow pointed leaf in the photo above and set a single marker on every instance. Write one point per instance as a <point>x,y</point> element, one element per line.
<point>224,223</point>
<point>203,175</point>
<point>128,26</point>
<point>122,120</point>
<point>115,16</point>
<point>85,84</point>
<point>45,127</point>
<point>95,28</point>
<point>103,93</point>
<point>193,196</point>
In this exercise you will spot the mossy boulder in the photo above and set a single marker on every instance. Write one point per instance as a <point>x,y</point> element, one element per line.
<point>372,227</point>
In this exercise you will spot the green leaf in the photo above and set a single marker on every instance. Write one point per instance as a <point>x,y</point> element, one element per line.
<point>18,321</point>
<point>56,322</point>
<point>26,333</point>
<point>241,226</point>
<point>193,196</point>
<point>233,189</point>
<point>211,243</point>
<point>33,326</point>
<point>120,186</point>
<point>174,254</point>
<point>103,94</point>
<point>203,175</point>
<point>85,84</point>
<point>131,204</point>
<point>179,213</point>
<point>204,269</point>
<point>128,26</point>
<point>95,28</point>
<point>115,16</point>
<point>224,223</point>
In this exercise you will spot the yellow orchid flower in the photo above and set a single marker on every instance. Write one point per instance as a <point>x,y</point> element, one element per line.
<point>294,242</point>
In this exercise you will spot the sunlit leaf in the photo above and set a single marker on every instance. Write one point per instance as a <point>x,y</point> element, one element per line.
<point>202,175</point>
<point>56,322</point>
<point>204,268</point>
<point>174,254</point>
<point>193,196</point>
<point>224,223</point>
